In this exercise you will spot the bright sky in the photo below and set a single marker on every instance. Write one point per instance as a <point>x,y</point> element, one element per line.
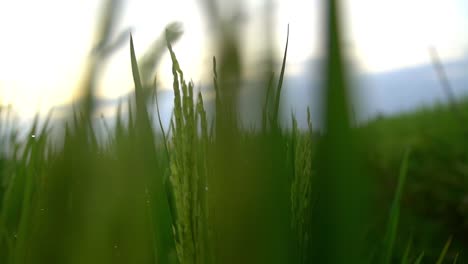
<point>45,43</point>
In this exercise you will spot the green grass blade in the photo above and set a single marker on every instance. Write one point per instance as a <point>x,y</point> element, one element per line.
<point>215,84</point>
<point>405,259</point>
<point>265,112</point>
<point>420,258</point>
<point>136,75</point>
<point>395,211</point>
<point>342,211</point>
<point>280,81</point>
<point>160,122</point>
<point>444,251</point>
<point>147,169</point>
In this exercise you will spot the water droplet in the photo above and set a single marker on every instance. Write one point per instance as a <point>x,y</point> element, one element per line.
<point>33,136</point>
<point>206,188</point>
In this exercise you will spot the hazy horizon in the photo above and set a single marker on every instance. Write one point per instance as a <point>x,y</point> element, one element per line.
<point>47,43</point>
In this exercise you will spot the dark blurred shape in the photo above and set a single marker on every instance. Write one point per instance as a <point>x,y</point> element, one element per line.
<point>440,71</point>
<point>341,215</point>
<point>250,177</point>
<point>153,54</point>
<point>105,44</point>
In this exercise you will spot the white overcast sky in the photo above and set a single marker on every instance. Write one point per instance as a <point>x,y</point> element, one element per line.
<point>45,43</point>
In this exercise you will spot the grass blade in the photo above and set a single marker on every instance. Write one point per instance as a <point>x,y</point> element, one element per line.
<point>392,226</point>
<point>280,81</point>
<point>136,75</point>
<point>444,251</point>
<point>147,168</point>
<point>405,259</point>
<point>342,183</point>
<point>160,122</point>
<point>419,259</point>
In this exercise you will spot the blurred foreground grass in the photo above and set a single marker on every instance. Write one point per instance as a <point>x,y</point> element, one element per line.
<point>210,190</point>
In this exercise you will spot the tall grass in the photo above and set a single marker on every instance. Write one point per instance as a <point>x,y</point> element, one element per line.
<point>188,170</point>
<point>202,191</point>
<point>395,211</point>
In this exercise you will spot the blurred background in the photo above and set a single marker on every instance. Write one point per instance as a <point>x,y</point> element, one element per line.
<point>386,43</point>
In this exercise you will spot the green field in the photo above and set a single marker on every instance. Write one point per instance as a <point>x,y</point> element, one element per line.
<point>434,201</point>
<point>210,190</point>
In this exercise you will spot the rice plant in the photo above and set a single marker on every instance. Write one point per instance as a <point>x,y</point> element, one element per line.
<point>206,190</point>
<point>188,171</point>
